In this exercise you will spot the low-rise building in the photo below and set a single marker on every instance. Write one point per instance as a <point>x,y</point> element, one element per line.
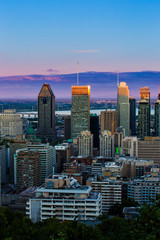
<point>144,190</point>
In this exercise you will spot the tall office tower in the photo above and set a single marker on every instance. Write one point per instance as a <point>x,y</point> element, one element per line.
<point>144,113</point>
<point>132,102</point>
<point>123,107</point>
<point>67,127</point>
<point>46,159</point>
<point>157,116</point>
<point>85,144</point>
<point>106,144</point>
<point>27,168</point>
<point>11,123</point>
<point>80,113</point>
<point>94,128</point>
<point>46,113</point>
<point>109,120</point>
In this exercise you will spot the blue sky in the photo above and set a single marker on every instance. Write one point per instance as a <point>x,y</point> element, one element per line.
<point>110,35</point>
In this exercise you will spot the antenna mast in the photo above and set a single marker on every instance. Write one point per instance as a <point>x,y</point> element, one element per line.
<point>117,79</point>
<point>77,73</point>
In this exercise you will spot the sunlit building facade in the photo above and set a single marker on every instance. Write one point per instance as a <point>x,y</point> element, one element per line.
<point>123,107</point>
<point>80,112</point>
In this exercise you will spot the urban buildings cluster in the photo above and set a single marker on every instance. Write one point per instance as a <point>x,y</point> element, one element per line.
<point>101,160</point>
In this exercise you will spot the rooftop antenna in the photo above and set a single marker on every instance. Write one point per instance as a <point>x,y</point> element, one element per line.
<point>117,79</point>
<point>77,73</point>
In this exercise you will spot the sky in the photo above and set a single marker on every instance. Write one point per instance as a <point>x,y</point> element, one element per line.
<point>50,36</point>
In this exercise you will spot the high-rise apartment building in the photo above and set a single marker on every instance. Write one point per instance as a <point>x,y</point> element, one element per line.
<point>85,144</point>
<point>132,102</point>
<point>105,144</point>
<point>46,113</point>
<point>80,113</point>
<point>123,107</point>
<point>62,197</point>
<point>157,116</point>
<point>11,123</point>
<point>46,159</point>
<point>13,147</point>
<point>130,146</point>
<point>110,190</point>
<point>27,168</point>
<point>109,120</point>
<point>144,113</point>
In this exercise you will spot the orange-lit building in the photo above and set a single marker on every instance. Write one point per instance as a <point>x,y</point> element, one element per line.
<point>80,113</point>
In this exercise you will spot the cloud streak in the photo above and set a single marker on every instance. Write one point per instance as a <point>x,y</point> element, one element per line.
<point>51,70</point>
<point>86,51</point>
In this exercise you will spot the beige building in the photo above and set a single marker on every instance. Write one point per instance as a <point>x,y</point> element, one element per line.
<point>108,120</point>
<point>130,146</point>
<point>85,144</point>
<point>11,124</point>
<point>149,149</point>
<point>106,144</point>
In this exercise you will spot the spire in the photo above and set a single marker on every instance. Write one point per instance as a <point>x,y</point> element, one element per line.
<point>46,91</point>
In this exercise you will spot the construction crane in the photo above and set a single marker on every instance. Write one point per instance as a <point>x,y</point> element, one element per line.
<point>113,127</point>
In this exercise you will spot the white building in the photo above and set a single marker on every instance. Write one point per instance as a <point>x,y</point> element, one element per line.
<point>111,191</point>
<point>47,158</point>
<point>11,123</point>
<point>130,146</point>
<point>64,198</point>
<point>85,144</point>
<point>105,144</point>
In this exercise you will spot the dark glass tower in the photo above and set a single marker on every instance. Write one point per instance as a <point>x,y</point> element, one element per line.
<point>94,128</point>
<point>46,114</point>
<point>132,102</point>
<point>157,116</point>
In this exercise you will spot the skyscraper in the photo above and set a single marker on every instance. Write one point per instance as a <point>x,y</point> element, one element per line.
<point>132,102</point>
<point>94,128</point>
<point>80,113</point>
<point>157,116</point>
<point>123,107</point>
<point>144,113</point>
<point>46,113</point>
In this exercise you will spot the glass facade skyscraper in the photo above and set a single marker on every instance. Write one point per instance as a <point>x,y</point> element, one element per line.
<point>80,113</point>
<point>123,108</point>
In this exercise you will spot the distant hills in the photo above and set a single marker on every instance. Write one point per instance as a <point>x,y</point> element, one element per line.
<point>103,84</point>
